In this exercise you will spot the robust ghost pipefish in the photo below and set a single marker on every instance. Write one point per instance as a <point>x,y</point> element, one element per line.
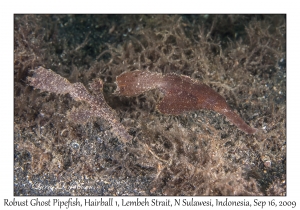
<point>47,80</point>
<point>181,94</point>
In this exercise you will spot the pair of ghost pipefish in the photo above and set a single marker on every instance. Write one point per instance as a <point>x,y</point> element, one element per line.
<point>181,94</point>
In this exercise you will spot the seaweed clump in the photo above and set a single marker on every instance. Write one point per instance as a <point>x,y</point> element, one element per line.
<point>197,153</point>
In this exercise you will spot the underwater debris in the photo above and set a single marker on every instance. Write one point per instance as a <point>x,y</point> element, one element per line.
<point>47,80</point>
<point>181,94</point>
